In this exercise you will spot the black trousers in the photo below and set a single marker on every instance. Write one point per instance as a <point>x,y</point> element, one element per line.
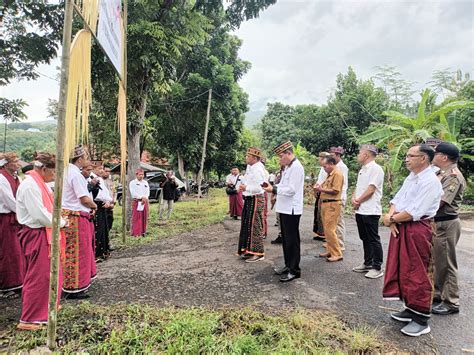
<point>368,226</point>
<point>110,218</point>
<point>101,231</point>
<point>291,241</point>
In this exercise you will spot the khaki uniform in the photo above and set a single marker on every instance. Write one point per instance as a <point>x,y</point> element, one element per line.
<point>448,231</point>
<point>331,206</point>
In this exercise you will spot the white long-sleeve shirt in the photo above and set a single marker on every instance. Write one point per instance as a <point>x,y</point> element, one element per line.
<point>75,187</point>
<point>104,194</point>
<point>253,179</point>
<point>30,210</point>
<point>139,189</point>
<point>7,200</point>
<point>322,176</point>
<point>419,195</point>
<point>235,180</point>
<point>345,171</point>
<point>290,190</point>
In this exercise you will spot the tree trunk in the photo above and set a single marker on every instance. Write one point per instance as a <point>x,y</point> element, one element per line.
<point>133,148</point>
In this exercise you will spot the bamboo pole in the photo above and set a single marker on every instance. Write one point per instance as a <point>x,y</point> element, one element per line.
<point>203,156</point>
<point>58,186</point>
<point>124,80</point>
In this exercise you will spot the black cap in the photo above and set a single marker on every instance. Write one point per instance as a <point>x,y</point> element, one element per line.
<point>448,148</point>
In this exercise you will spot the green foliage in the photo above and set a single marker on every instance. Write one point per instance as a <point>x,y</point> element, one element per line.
<point>349,111</point>
<point>401,132</point>
<point>212,64</point>
<point>30,36</point>
<point>145,329</point>
<point>23,142</point>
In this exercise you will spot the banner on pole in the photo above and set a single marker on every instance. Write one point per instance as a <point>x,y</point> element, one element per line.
<point>109,32</point>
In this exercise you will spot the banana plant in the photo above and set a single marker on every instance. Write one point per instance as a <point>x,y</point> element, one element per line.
<point>400,132</point>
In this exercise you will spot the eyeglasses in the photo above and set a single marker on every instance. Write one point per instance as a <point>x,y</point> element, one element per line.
<point>409,156</point>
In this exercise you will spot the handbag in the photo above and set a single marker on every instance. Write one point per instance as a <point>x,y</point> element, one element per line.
<point>230,191</point>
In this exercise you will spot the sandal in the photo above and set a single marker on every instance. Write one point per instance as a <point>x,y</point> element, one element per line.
<point>30,326</point>
<point>10,295</point>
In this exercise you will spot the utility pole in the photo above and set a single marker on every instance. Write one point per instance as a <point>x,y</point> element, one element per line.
<point>203,157</point>
<point>58,186</point>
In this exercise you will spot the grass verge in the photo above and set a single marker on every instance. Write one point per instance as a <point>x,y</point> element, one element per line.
<point>187,215</point>
<point>145,329</point>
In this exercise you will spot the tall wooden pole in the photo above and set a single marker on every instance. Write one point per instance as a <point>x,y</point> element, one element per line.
<point>58,185</point>
<point>203,156</point>
<point>124,78</point>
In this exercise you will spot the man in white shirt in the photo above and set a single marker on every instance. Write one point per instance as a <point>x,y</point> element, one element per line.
<point>407,272</point>
<point>34,211</point>
<point>252,227</point>
<point>12,263</point>
<point>103,200</point>
<point>318,229</point>
<point>289,205</point>
<point>77,205</point>
<point>366,202</point>
<point>140,192</point>
<point>113,193</point>
<point>236,203</point>
<point>336,153</point>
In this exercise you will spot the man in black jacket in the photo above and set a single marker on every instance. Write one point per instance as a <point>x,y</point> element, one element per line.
<point>169,187</point>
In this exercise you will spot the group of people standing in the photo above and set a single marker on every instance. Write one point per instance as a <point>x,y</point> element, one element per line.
<point>423,218</point>
<point>26,221</point>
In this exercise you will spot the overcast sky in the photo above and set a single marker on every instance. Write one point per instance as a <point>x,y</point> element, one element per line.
<point>297,47</point>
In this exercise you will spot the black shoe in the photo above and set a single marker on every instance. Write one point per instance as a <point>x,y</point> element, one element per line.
<point>77,296</point>
<point>235,217</point>
<point>289,277</point>
<point>444,310</point>
<point>281,270</point>
<point>278,240</point>
<point>245,256</point>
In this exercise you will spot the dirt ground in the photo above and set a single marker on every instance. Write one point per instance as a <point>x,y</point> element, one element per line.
<point>201,268</point>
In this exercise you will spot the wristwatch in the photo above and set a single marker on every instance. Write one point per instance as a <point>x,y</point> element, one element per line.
<point>392,220</point>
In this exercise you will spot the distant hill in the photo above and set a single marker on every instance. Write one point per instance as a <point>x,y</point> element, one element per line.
<point>27,137</point>
<point>253,117</point>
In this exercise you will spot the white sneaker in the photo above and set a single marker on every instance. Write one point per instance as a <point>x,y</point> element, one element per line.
<point>361,268</point>
<point>374,274</point>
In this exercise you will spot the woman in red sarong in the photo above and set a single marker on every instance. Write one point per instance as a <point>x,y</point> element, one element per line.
<point>34,212</point>
<point>12,263</point>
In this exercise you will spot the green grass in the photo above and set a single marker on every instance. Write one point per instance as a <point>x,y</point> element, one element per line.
<point>145,329</point>
<point>187,215</point>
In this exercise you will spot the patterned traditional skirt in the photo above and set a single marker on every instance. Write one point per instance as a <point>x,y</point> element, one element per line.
<point>252,227</point>
<point>79,263</point>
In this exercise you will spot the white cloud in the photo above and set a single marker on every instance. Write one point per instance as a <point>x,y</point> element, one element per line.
<point>298,47</point>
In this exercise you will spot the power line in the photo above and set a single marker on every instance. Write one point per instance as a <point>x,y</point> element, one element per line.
<point>46,76</point>
<point>184,100</point>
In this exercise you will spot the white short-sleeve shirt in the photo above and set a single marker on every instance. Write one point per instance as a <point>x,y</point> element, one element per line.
<point>75,187</point>
<point>370,174</point>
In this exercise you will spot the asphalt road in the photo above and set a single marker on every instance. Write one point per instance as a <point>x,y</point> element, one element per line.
<point>360,299</point>
<point>200,268</point>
